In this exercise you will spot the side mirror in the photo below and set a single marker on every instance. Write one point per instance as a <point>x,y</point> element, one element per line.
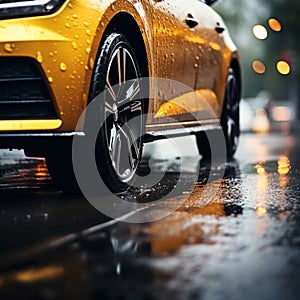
<point>210,2</point>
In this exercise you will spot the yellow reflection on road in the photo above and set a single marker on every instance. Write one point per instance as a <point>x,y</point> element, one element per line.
<point>260,169</point>
<point>35,274</point>
<point>261,211</point>
<point>283,165</point>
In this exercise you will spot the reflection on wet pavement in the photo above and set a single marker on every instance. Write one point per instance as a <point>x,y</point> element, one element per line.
<point>244,244</point>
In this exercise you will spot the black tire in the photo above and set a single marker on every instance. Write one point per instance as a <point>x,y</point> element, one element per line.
<point>119,143</point>
<point>230,120</point>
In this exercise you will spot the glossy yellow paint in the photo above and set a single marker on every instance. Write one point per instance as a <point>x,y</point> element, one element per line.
<point>192,102</point>
<point>62,43</point>
<point>66,43</point>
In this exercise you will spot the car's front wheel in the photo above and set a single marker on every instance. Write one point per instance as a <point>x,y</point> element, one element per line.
<point>120,140</point>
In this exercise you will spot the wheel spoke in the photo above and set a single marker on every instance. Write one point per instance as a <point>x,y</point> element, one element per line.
<point>136,106</point>
<point>119,66</point>
<point>112,138</point>
<point>116,153</point>
<point>124,64</point>
<point>129,139</point>
<point>133,141</point>
<point>108,107</point>
<point>110,89</point>
<point>133,90</point>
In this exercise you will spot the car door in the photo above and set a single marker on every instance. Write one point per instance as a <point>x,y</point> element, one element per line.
<point>175,48</point>
<point>211,52</point>
<point>189,47</point>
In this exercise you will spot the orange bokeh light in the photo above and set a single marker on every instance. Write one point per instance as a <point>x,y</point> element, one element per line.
<point>274,24</point>
<point>259,67</point>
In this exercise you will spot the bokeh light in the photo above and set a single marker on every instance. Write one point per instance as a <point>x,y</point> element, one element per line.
<point>260,32</point>
<point>274,24</point>
<point>259,67</point>
<point>283,67</point>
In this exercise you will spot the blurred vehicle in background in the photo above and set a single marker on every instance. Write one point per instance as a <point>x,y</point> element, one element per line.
<point>261,115</point>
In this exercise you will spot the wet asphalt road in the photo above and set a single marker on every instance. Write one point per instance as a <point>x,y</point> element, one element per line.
<point>245,244</point>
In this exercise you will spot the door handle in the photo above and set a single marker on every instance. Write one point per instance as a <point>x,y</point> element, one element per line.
<point>190,21</point>
<point>219,29</point>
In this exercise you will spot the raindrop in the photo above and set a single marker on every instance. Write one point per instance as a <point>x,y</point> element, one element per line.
<point>76,36</point>
<point>187,208</point>
<point>70,5</point>
<point>112,7</point>
<point>88,32</point>
<point>28,216</point>
<point>92,63</point>
<point>51,53</point>
<point>67,25</point>
<point>46,216</point>
<point>39,57</point>
<point>195,65</point>
<point>102,24</point>
<point>50,79</point>
<point>63,66</point>
<point>88,41</point>
<point>166,56</point>
<point>74,16</point>
<point>86,24</point>
<point>88,50</point>
<point>74,45</point>
<point>8,47</point>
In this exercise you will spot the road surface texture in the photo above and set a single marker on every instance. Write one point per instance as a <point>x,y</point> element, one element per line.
<point>242,244</point>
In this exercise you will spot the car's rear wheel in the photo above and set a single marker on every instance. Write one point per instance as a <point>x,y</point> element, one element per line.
<point>229,119</point>
<point>120,140</point>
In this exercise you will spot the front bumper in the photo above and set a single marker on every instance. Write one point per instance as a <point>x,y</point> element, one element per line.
<point>63,45</point>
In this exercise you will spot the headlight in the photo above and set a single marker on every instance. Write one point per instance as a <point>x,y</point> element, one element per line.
<point>23,8</point>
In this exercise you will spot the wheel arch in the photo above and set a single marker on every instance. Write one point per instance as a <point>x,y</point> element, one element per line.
<point>133,35</point>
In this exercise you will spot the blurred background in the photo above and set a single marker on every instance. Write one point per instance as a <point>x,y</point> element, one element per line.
<point>267,35</point>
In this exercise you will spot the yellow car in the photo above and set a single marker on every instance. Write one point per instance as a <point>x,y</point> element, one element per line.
<point>56,56</point>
